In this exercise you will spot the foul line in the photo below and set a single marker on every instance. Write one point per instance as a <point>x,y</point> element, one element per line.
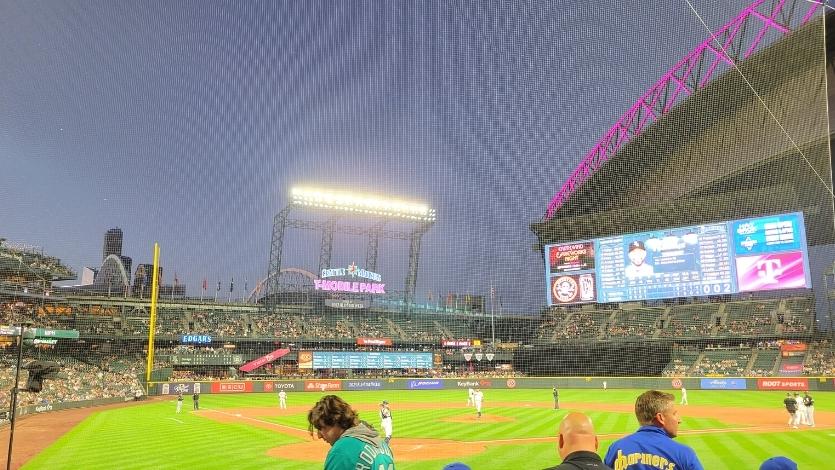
<point>177,420</point>
<point>240,416</point>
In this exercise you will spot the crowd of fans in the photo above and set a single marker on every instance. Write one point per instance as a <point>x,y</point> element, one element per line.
<point>33,260</point>
<point>723,363</point>
<point>749,318</point>
<point>80,380</point>
<point>221,324</point>
<point>820,360</point>
<point>581,325</point>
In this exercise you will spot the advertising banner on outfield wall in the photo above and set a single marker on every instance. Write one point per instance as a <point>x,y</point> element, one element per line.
<point>363,385</point>
<point>427,384</point>
<point>276,386</point>
<point>322,385</point>
<point>800,383</point>
<point>470,383</point>
<point>723,384</point>
<point>231,387</point>
<point>185,388</point>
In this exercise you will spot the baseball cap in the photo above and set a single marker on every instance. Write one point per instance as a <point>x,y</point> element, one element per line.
<point>636,245</point>
<point>385,402</point>
<point>778,463</point>
<point>456,466</point>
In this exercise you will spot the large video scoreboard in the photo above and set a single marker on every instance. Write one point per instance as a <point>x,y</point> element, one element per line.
<point>763,253</point>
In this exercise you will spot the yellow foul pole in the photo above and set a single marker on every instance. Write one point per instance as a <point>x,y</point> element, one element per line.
<point>153,322</point>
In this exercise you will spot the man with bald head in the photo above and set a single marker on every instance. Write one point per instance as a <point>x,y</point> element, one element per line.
<point>577,444</point>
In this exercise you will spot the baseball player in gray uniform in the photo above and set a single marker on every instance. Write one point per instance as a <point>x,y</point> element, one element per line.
<point>385,420</point>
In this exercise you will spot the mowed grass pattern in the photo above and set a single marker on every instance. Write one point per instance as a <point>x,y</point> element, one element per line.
<point>153,436</point>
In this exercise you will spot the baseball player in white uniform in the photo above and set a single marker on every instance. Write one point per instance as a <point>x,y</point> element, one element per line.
<point>683,396</point>
<point>385,420</point>
<point>478,399</point>
<point>282,400</point>
<point>470,393</point>
<point>800,415</point>
<point>179,402</point>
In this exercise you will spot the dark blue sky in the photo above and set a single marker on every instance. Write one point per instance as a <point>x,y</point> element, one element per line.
<point>187,123</point>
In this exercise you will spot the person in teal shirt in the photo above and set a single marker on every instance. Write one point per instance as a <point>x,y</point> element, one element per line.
<point>355,445</point>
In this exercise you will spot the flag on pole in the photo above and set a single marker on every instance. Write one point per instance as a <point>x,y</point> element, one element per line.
<point>218,285</point>
<point>232,284</point>
<point>205,284</point>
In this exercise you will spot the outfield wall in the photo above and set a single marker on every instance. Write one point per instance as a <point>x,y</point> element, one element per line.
<point>660,383</point>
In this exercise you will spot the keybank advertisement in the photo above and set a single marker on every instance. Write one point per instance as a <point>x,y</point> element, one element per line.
<point>723,384</point>
<point>746,255</point>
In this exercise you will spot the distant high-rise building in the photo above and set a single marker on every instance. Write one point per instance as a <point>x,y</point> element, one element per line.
<point>127,262</point>
<point>142,279</point>
<point>112,243</point>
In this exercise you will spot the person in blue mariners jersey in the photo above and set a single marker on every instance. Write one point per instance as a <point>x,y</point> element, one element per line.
<point>652,446</point>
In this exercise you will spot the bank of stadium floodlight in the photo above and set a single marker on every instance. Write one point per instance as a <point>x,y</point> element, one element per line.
<point>361,203</point>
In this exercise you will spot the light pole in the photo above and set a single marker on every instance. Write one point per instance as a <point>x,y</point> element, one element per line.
<point>829,302</point>
<point>14,391</point>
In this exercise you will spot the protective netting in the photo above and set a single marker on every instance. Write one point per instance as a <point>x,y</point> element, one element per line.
<point>374,191</point>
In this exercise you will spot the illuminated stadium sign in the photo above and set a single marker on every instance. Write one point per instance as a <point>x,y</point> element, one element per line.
<point>352,271</point>
<point>763,253</point>
<point>350,286</point>
<point>196,339</point>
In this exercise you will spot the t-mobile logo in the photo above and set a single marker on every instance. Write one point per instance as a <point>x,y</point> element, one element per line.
<point>768,270</point>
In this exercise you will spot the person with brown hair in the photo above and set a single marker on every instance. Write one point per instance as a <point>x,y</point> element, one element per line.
<point>652,446</point>
<point>354,443</point>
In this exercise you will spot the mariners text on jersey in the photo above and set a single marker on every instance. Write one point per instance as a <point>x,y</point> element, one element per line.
<point>622,461</point>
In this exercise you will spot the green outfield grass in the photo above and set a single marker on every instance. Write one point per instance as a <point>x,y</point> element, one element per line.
<point>153,436</point>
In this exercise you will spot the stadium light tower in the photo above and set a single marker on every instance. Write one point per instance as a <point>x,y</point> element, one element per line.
<point>350,204</point>
<point>361,203</point>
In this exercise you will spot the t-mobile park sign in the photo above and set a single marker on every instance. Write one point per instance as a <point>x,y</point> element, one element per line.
<point>353,271</point>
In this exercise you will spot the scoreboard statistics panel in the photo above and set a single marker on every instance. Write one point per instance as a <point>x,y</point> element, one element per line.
<point>761,253</point>
<point>370,360</point>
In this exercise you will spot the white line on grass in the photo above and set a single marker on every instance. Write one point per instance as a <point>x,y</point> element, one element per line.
<point>177,420</point>
<point>257,420</point>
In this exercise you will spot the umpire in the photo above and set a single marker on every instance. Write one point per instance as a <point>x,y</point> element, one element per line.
<point>577,444</point>
<point>791,406</point>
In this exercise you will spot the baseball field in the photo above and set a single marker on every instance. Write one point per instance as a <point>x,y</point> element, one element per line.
<point>727,429</point>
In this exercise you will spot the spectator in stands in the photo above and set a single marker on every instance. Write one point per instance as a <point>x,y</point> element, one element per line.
<point>577,444</point>
<point>657,413</point>
<point>354,444</point>
<point>638,267</point>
